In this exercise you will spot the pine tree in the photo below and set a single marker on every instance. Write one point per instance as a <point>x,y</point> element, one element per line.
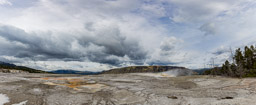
<point>239,58</point>
<point>248,58</point>
<point>239,63</point>
<point>253,57</point>
<point>233,69</point>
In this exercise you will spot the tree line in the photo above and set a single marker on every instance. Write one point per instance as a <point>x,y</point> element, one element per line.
<point>244,64</point>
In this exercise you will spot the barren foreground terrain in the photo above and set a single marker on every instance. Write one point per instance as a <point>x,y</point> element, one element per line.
<point>128,89</point>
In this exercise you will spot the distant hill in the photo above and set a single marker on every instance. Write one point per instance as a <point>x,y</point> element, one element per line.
<point>4,65</point>
<point>74,72</point>
<point>142,69</point>
<point>7,64</point>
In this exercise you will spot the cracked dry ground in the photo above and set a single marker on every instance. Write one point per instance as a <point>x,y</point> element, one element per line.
<point>126,89</point>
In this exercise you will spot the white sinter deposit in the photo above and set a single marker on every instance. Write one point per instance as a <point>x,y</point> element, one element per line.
<point>3,99</point>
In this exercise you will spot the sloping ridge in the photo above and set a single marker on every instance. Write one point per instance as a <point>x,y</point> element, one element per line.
<point>142,69</point>
<point>7,68</point>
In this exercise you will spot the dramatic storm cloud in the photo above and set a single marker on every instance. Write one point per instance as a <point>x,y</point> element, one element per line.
<point>102,34</point>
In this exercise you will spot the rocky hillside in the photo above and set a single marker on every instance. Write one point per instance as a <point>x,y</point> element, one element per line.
<point>142,69</point>
<point>11,68</point>
<point>12,71</point>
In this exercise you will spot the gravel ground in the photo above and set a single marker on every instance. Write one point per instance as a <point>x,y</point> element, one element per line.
<point>124,89</point>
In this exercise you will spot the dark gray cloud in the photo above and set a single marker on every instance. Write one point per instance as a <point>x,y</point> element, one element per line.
<point>208,29</point>
<point>167,47</point>
<point>221,51</point>
<point>41,46</point>
<point>107,46</point>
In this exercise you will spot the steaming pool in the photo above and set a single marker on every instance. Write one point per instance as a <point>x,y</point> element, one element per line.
<point>171,73</point>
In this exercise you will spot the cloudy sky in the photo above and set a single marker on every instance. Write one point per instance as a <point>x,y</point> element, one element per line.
<point>102,34</point>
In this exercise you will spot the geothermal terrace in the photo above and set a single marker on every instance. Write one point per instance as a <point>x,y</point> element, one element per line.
<point>124,89</point>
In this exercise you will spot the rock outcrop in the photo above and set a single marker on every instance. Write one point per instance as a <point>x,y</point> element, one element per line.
<point>12,71</point>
